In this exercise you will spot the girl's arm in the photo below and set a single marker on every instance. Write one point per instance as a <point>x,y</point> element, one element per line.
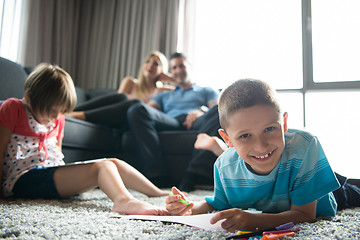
<point>59,143</point>
<point>176,207</point>
<point>5,134</point>
<point>236,219</point>
<point>127,85</point>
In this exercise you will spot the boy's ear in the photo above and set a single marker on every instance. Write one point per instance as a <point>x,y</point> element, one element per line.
<point>225,137</point>
<point>285,117</point>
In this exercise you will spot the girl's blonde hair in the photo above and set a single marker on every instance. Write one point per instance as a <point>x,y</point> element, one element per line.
<point>48,86</point>
<point>142,88</point>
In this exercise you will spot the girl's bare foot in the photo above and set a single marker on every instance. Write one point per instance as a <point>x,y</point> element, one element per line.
<point>214,144</point>
<point>134,206</point>
<point>77,115</point>
<point>161,193</point>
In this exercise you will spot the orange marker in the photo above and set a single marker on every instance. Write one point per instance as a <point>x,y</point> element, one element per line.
<point>277,236</point>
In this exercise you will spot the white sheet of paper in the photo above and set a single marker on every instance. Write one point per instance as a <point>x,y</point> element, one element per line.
<point>201,221</point>
<point>84,162</point>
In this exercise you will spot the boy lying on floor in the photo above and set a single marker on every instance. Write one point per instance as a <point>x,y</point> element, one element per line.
<point>283,173</point>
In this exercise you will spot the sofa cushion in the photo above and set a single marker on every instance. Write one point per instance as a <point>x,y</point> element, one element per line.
<point>29,69</point>
<point>86,135</point>
<point>84,140</point>
<point>81,94</point>
<point>172,142</point>
<point>12,79</point>
<point>177,147</point>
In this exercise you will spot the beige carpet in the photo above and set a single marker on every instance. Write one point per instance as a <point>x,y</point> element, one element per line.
<point>88,217</point>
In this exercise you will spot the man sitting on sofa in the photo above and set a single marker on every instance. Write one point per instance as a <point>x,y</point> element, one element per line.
<point>181,109</point>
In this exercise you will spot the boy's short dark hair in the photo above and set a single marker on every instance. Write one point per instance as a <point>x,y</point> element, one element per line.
<point>50,86</point>
<point>242,94</point>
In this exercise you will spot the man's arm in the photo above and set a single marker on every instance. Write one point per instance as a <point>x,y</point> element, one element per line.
<point>212,103</point>
<point>192,117</point>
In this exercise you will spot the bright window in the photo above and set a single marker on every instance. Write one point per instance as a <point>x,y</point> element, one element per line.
<point>10,17</point>
<point>333,118</point>
<point>238,39</point>
<point>336,38</point>
<point>292,103</point>
<point>233,39</point>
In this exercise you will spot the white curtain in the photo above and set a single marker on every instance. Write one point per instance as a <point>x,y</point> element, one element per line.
<point>12,24</point>
<point>188,29</point>
<point>99,41</point>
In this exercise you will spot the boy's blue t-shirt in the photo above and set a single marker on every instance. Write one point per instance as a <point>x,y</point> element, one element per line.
<point>182,101</point>
<point>302,176</point>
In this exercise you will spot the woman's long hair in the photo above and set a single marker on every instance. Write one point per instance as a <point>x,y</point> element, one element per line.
<point>142,89</point>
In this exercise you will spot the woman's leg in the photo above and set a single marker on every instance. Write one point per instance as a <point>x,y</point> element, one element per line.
<point>97,103</point>
<point>109,175</point>
<point>114,115</point>
<point>101,101</point>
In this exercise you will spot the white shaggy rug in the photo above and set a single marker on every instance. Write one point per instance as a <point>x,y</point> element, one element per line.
<point>88,217</point>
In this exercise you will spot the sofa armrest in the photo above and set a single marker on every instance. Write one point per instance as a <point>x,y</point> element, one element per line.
<point>12,79</point>
<point>87,135</point>
<point>82,95</point>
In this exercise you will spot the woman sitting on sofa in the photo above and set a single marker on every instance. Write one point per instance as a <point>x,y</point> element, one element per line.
<point>111,109</point>
<point>151,77</point>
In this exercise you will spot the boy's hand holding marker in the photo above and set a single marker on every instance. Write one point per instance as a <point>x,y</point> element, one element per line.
<point>177,203</point>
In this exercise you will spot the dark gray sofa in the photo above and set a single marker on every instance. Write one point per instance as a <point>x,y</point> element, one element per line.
<point>84,140</point>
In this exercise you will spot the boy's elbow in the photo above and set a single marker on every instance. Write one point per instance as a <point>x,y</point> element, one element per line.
<point>303,217</point>
<point>305,213</point>
<point>311,219</point>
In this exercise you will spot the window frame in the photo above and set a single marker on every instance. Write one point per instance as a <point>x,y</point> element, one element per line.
<point>308,82</point>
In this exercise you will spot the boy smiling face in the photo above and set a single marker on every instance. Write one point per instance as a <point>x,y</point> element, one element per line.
<point>257,134</point>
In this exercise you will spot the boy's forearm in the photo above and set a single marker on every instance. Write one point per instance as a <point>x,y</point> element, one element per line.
<point>296,214</point>
<point>202,207</point>
<point>268,220</point>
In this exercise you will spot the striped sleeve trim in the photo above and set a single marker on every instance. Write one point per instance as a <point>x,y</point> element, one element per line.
<point>320,165</point>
